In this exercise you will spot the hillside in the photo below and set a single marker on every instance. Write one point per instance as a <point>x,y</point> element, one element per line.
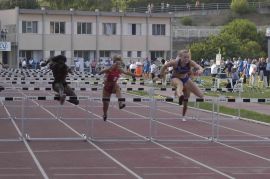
<point>225,17</point>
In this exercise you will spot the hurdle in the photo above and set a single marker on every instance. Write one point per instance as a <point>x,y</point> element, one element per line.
<point>114,129</point>
<point>52,115</point>
<point>226,133</point>
<point>10,131</point>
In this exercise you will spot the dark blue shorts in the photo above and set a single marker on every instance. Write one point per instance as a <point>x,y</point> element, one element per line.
<point>184,80</point>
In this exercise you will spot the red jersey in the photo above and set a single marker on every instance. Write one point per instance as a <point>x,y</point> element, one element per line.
<point>113,75</point>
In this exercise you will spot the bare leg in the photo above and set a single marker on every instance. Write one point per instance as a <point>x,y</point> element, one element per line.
<point>118,95</point>
<point>106,96</point>
<point>69,92</point>
<point>194,89</point>
<point>178,85</point>
<point>185,103</point>
<point>59,88</point>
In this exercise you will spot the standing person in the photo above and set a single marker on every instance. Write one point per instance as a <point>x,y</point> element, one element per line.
<point>60,71</point>
<point>146,68</point>
<point>110,83</point>
<point>268,71</point>
<point>252,72</point>
<point>93,66</point>
<point>132,68</point>
<point>153,71</point>
<point>180,76</point>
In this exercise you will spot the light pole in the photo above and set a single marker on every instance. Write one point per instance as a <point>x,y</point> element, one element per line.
<point>267,34</point>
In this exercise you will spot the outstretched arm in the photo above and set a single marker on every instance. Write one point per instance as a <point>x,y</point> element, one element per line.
<point>129,73</point>
<point>46,63</point>
<point>106,70</point>
<point>198,68</point>
<point>164,68</point>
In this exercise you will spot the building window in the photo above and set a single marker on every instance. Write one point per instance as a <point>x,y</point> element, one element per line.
<point>82,54</point>
<point>52,52</point>
<point>29,26</point>
<point>134,29</point>
<point>109,28</point>
<point>84,28</point>
<point>139,54</point>
<point>129,54</point>
<point>63,52</point>
<point>158,29</point>
<point>157,54</point>
<point>104,53</point>
<point>57,27</point>
<point>26,54</point>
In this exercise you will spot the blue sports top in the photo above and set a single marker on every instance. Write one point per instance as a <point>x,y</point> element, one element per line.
<point>182,70</point>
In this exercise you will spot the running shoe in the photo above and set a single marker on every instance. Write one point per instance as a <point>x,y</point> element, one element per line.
<point>104,117</point>
<point>122,105</point>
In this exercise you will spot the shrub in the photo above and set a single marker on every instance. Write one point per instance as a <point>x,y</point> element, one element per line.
<point>240,6</point>
<point>186,21</point>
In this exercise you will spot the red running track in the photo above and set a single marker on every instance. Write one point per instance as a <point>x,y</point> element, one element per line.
<point>120,149</point>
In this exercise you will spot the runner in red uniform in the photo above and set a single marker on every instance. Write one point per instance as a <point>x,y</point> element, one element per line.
<point>110,83</point>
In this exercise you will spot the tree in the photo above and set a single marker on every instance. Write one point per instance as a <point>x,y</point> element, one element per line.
<point>25,4</point>
<point>251,49</point>
<point>238,38</point>
<point>122,4</point>
<point>242,29</point>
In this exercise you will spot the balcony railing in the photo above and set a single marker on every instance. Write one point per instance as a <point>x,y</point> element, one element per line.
<point>192,7</point>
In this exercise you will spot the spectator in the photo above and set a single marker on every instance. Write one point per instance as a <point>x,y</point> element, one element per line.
<point>146,68</point>
<point>197,4</point>
<point>267,70</point>
<point>77,65</point>
<point>235,78</point>
<point>93,66</point>
<point>2,34</point>
<point>214,72</point>
<point>228,66</point>
<point>5,34</point>
<point>132,68</point>
<point>252,72</point>
<point>24,64</point>
<point>153,70</point>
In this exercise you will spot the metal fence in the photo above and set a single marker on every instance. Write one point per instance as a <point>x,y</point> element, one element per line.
<point>192,7</point>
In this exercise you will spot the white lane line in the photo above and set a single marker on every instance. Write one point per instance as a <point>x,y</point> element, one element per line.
<point>167,167</point>
<point>248,173</point>
<point>17,175</point>
<point>126,129</point>
<point>79,168</point>
<point>235,148</point>
<point>94,174</point>
<point>178,174</point>
<point>39,166</point>
<point>236,130</point>
<point>97,147</point>
<point>179,129</point>
<point>255,167</point>
<point>16,168</point>
<point>184,156</point>
<point>195,161</point>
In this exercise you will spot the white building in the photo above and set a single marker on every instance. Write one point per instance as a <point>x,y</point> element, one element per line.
<point>41,33</point>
